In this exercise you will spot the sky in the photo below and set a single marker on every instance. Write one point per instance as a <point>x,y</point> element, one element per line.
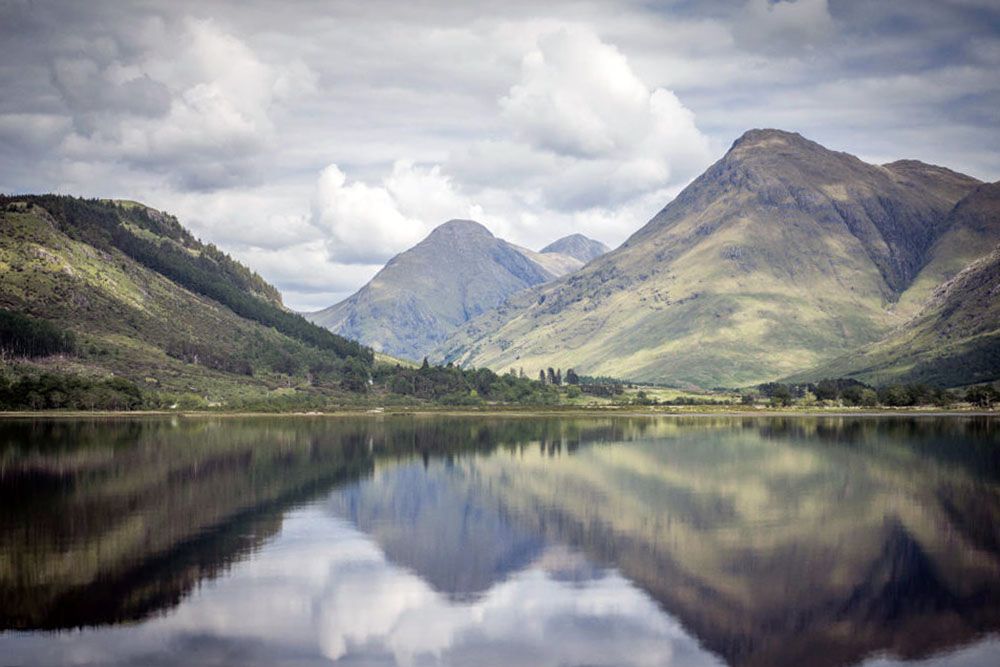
<point>315,140</point>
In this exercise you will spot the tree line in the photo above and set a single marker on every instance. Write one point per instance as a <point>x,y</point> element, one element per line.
<point>855,393</point>
<point>31,337</point>
<point>55,391</point>
<point>453,385</point>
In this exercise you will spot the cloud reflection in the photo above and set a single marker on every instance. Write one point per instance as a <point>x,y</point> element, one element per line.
<point>324,593</point>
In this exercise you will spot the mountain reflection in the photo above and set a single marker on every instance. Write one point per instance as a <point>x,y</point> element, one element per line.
<point>771,541</point>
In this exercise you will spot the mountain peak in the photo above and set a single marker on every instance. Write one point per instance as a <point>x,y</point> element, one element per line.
<point>461,227</point>
<point>779,220</point>
<point>763,135</point>
<point>578,246</point>
<point>770,141</point>
<point>423,294</point>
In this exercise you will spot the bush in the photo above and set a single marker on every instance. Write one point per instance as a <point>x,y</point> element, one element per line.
<point>983,396</point>
<point>781,395</point>
<point>894,395</point>
<point>52,391</point>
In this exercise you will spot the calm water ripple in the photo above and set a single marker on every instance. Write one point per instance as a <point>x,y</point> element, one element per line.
<point>500,541</point>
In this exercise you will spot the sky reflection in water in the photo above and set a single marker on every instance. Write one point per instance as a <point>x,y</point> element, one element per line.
<point>498,542</point>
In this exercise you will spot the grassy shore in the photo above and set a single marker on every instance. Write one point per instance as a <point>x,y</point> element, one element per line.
<point>521,411</point>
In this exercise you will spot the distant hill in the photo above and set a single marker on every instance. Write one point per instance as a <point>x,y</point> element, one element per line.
<point>781,256</point>
<point>578,246</point>
<point>144,301</point>
<point>458,272</point>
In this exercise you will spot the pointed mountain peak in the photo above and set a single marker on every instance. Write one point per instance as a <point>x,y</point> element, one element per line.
<point>459,227</point>
<point>771,142</point>
<point>578,246</point>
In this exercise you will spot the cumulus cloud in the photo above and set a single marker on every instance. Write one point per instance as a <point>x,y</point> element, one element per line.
<point>198,114</point>
<point>370,223</point>
<point>614,137</point>
<point>551,119</point>
<point>583,137</point>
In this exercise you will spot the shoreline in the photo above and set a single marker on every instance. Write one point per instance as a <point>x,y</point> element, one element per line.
<point>568,412</point>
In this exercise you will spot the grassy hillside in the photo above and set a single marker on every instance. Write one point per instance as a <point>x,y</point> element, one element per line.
<point>782,256</point>
<point>146,302</point>
<point>955,340</point>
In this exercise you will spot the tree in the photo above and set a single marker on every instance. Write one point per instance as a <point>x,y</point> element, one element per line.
<point>572,377</point>
<point>826,390</point>
<point>355,376</point>
<point>551,375</point>
<point>748,399</point>
<point>920,394</point>
<point>983,396</point>
<point>781,395</point>
<point>895,395</point>
<point>541,376</point>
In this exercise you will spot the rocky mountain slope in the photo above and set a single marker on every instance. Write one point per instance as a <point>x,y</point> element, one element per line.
<point>457,273</point>
<point>145,301</point>
<point>972,229</point>
<point>955,340</point>
<point>783,255</point>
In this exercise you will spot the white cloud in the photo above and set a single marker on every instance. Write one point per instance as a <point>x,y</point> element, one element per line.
<point>578,98</point>
<point>370,223</point>
<point>584,140</point>
<point>200,114</point>
<point>549,117</point>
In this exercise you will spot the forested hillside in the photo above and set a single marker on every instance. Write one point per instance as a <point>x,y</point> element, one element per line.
<point>114,305</point>
<point>147,305</point>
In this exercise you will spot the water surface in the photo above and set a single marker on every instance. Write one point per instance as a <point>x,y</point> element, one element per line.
<point>500,541</point>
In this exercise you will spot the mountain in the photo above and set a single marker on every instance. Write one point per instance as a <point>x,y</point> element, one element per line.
<point>129,294</point>
<point>455,274</point>
<point>578,246</point>
<point>781,256</point>
<point>972,229</point>
<point>955,340</point>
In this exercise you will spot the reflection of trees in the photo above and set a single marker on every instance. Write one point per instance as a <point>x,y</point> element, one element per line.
<point>775,541</point>
<point>104,521</point>
<point>108,520</point>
